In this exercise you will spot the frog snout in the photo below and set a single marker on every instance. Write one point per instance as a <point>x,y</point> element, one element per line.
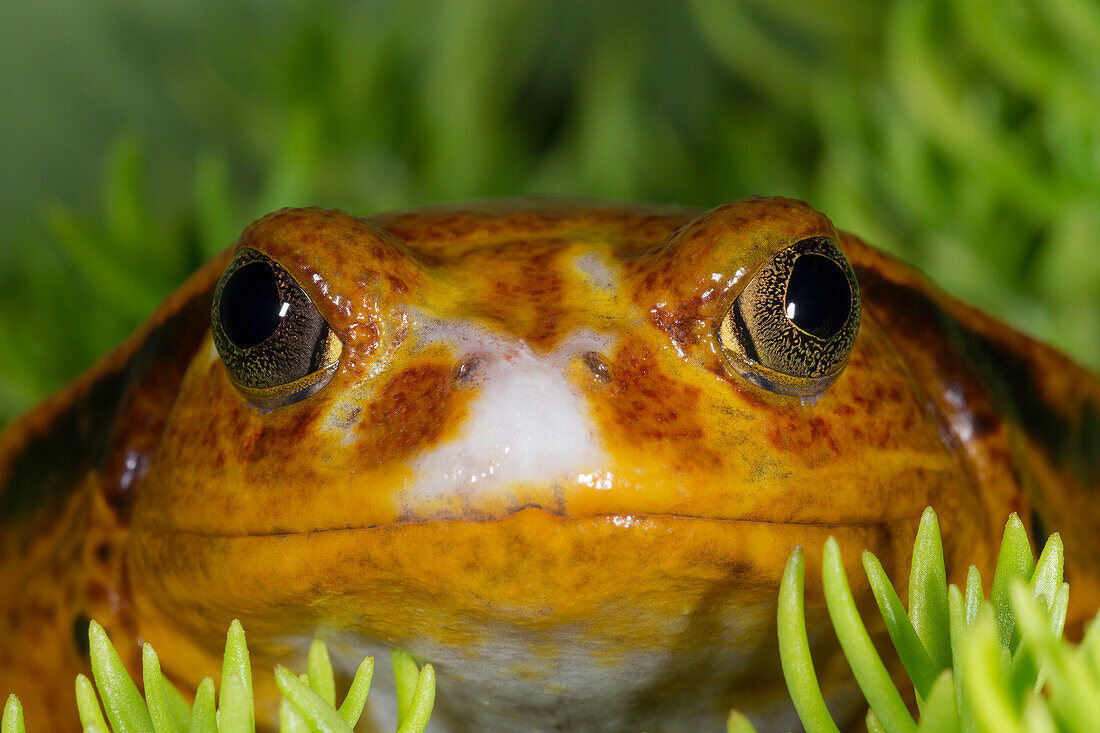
<point>472,367</point>
<point>528,420</point>
<point>597,365</point>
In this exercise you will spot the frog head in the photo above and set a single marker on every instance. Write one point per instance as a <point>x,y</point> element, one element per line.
<point>560,449</point>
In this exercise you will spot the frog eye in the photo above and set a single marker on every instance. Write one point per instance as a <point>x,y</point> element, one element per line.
<point>276,346</point>
<point>791,328</point>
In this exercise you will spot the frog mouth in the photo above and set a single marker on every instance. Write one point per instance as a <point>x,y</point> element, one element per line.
<point>621,521</point>
<point>531,565</point>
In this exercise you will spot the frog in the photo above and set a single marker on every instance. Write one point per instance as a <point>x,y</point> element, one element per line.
<point>560,449</point>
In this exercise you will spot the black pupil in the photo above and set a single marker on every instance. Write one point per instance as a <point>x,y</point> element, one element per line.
<point>819,298</point>
<point>250,305</point>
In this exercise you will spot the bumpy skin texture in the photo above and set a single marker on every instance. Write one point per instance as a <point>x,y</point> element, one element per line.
<point>532,467</point>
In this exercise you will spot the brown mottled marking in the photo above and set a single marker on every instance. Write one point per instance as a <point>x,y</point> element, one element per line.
<point>414,409</point>
<point>650,407</point>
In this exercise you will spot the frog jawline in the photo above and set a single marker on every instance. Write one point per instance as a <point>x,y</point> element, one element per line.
<point>624,521</point>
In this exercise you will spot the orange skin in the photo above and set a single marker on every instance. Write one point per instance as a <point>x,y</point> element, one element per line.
<point>638,592</point>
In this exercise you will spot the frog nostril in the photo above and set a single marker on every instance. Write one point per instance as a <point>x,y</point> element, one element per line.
<point>597,364</point>
<point>465,372</point>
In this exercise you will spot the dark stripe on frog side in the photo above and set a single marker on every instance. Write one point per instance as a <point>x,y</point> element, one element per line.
<point>82,435</point>
<point>51,464</point>
<point>1070,440</point>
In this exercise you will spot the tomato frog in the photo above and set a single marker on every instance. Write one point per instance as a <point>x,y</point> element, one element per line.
<point>560,449</point>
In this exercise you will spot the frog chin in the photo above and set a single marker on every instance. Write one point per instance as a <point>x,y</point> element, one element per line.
<point>573,623</point>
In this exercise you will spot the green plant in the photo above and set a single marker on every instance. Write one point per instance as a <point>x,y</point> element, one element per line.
<point>308,700</point>
<point>996,666</point>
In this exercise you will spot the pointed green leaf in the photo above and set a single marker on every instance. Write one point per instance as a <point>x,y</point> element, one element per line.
<point>873,726</point>
<point>420,708</point>
<point>1059,609</point>
<point>975,596</point>
<point>13,716</point>
<point>321,716</point>
<point>235,708</point>
<point>1014,561</point>
<point>87,705</point>
<point>908,644</point>
<point>794,650</point>
<point>236,661</point>
<point>124,705</point>
<point>1047,578</point>
<point>156,699</point>
<point>319,669</point>
<point>405,676</point>
<point>203,717</point>
<point>352,707</point>
<point>735,723</point>
<point>871,674</point>
<point>928,591</point>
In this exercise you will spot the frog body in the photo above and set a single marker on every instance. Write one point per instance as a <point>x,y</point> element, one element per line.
<point>550,446</point>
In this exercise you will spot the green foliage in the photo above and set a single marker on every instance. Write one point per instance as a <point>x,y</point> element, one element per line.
<point>308,702</point>
<point>963,135</point>
<point>975,665</point>
<point>12,722</point>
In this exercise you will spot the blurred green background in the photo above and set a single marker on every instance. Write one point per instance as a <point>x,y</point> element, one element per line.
<point>140,138</point>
